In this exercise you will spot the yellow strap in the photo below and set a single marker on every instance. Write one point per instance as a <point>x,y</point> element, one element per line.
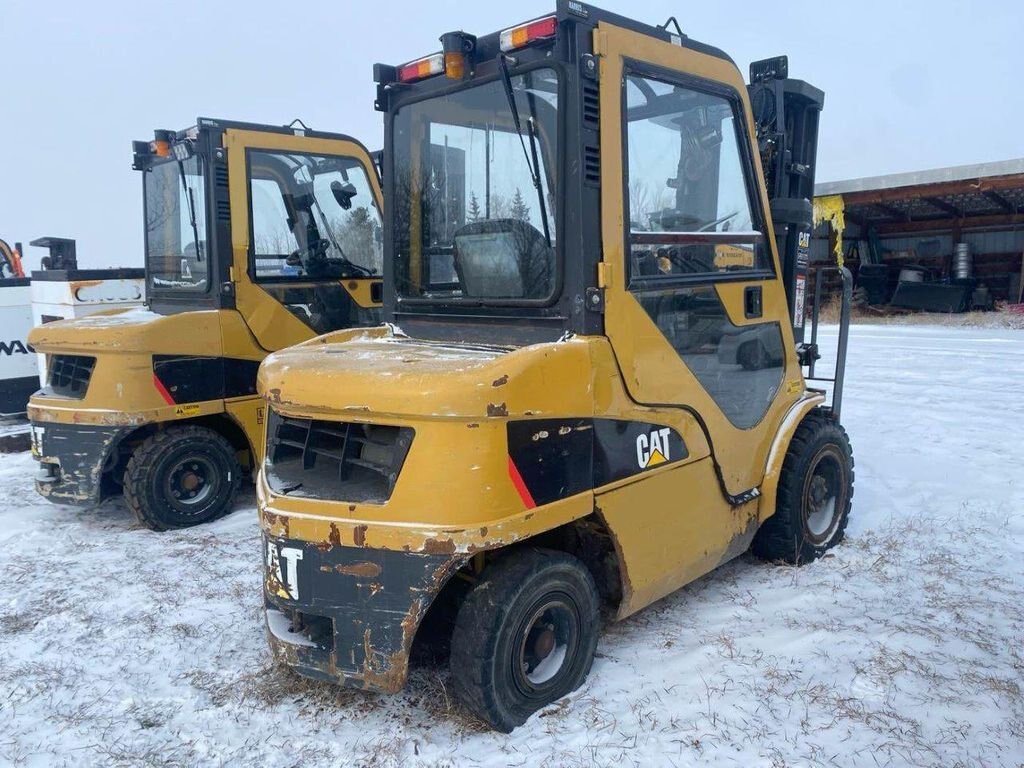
<point>831,209</point>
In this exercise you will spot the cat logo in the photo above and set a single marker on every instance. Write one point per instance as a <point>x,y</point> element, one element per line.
<point>652,448</point>
<point>805,239</point>
<point>283,582</point>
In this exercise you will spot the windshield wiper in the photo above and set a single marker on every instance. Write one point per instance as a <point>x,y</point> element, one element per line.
<point>533,166</point>
<point>191,209</point>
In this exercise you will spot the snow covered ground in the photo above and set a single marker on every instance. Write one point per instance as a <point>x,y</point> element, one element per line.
<point>904,647</point>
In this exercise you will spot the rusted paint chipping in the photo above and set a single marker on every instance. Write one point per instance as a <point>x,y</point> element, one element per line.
<point>334,537</point>
<point>500,381</point>
<point>358,535</point>
<point>366,570</point>
<point>384,672</point>
<point>438,547</point>
<point>278,524</point>
<point>501,409</point>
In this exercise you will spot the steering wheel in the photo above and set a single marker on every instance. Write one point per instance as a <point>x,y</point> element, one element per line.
<point>316,250</point>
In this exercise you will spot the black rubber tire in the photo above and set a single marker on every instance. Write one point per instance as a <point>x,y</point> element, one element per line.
<point>151,469</point>
<point>819,445</point>
<point>494,622</point>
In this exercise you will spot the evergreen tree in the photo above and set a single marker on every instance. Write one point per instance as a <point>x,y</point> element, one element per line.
<point>474,208</point>
<point>520,210</point>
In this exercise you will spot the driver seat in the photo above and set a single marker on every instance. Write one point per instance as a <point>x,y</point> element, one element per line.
<point>503,259</point>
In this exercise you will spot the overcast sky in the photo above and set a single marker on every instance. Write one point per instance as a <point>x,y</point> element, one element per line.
<point>909,85</point>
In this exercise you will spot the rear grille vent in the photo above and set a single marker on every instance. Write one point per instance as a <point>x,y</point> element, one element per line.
<point>592,166</point>
<point>220,175</point>
<point>223,210</point>
<point>338,460</point>
<point>69,375</point>
<point>591,106</point>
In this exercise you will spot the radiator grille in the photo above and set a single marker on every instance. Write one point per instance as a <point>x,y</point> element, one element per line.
<point>342,461</point>
<point>69,375</point>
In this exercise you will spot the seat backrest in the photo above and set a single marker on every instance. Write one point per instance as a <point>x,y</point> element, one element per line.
<point>502,259</point>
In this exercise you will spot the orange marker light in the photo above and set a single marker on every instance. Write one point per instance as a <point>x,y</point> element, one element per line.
<point>421,68</point>
<point>517,37</point>
<point>455,65</point>
<point>161,148</point>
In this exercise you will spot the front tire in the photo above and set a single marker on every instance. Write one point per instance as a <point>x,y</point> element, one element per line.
<point>814,496</point>
<point>525,636</point>
<point>181,477</point>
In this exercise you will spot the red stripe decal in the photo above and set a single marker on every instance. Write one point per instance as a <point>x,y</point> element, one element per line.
<point>162,390</point>
<point>517,481</point>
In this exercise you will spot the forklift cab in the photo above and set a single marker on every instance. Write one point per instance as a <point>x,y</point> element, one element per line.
<point>298,223</point>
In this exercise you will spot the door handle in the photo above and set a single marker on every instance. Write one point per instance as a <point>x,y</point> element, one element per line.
<point>752,301</point>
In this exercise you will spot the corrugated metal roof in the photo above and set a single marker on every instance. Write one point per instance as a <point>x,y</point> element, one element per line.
<point>936,176</point>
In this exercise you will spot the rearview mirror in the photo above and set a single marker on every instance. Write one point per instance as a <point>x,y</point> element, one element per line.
<point>343,193</point>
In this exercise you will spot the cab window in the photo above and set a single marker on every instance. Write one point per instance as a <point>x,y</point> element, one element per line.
<point>313,217</point>
<point>690,211</point>
<point>470,225</point>
<point>177,257</point>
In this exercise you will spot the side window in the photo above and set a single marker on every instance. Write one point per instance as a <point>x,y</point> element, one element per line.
<point>315,225</point>
<point>313,217</point>
<point>271,236</point>
<point>690,209</point>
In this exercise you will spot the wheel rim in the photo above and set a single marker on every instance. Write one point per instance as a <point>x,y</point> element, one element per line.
<point>191,483</point>
<point>548,644</point>
<point>824,494</point>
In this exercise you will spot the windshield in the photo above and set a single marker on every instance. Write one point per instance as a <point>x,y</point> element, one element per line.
<point>313,217</point>
<point>468,223</point>
<point>175,206</point>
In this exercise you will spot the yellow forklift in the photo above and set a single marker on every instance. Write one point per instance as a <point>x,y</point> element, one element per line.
<point>257,237</point>
<point>590,391</point>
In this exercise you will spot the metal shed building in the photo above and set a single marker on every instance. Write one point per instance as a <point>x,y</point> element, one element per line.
<point>918,218</point>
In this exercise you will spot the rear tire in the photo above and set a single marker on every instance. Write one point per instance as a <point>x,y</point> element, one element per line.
<point>525,636</point>
<point>815,492</point>
<point>181,477</point>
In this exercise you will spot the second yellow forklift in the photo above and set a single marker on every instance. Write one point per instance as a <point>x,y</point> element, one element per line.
<point>257,237</point>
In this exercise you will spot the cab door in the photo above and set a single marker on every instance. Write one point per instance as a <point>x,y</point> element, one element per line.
<point>306,218</point>
<point>694,308</point>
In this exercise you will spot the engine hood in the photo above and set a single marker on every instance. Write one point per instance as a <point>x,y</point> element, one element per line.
<point>389,374</point>
<point>132,330</point>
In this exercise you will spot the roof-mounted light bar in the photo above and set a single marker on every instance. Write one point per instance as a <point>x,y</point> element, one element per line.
<point>428,66</point>
<point>524,34</point>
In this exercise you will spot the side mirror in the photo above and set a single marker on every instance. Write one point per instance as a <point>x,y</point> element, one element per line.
<point>343,193</point>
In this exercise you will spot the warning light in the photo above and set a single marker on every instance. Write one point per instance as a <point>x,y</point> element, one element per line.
<point>428,66</point>
<point>457,46</point>
<point>517,37</point>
